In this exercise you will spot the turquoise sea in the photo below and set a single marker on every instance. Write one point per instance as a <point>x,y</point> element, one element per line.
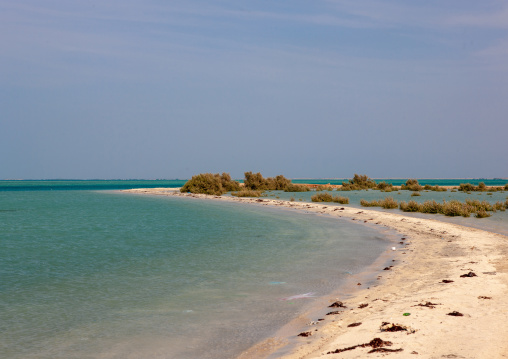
<point>90,272</point>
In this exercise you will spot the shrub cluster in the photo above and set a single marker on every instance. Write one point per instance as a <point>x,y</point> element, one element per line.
<point>412,185</point>
<point>256,181</point>
<point>208,183</point>
<point>388,203</point>
<point>247,193</point>
<point>468,187</point>
<point>358,182</point>
<point>455,208</point>
<point>296,188</point>
<point>435,188</point>
<point>327,197</point>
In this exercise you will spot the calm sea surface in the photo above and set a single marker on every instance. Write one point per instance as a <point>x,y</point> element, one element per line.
<point>91,273</point>
<point>101,274</point>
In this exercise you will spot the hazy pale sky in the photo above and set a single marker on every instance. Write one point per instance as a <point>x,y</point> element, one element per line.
<point>316,88</point>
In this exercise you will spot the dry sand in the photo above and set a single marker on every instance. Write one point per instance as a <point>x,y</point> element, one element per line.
<point>432,251</point>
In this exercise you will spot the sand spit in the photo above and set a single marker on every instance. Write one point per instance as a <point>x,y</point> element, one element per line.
<point>444,297</point>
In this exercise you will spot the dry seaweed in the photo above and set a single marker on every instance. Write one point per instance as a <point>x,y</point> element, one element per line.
<point>384,350</point>
<point>364,305</point>
<point>470,274</point>
<point>374,343</point>
<point>484,297</point>
<point>305,334</point>
<point>333,313</point>
<point>337,304</point>
<point>447,281</point>
<point>455,314</point>
<point>393,327</point>
<point>428,305</point>
<point>354,325</point>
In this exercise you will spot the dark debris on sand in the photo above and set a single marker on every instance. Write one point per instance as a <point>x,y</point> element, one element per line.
<point>375,343</point>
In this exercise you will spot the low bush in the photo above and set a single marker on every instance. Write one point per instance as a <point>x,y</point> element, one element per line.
<point>366,203</point>
<point>341,200</point>
<point>412,185</point>
<point>430,207</point>
<point>296,188</point>
<point>322,197</point>
<point>389,203</point>
<point>208,183</point>
<point>411,206</point>
<point>482,214</point>
<point>415,194</point>
<point>358,182</point>
<point>247,193</point>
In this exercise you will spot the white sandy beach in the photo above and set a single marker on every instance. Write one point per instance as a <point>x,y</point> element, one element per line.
<point>431,251</point>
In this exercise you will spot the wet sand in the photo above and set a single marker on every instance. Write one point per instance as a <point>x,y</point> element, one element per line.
<point>444,295</point>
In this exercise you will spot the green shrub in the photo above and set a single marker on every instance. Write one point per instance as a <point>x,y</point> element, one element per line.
<point>467,187</point>
<point>358,182</point>
<point>481,186</point>
<point>482,214</point>
<point>296,188</point>
<point>389,203</point>
<point>278,183</point>
<point>411,206</point>
<point>208,183</point>
<point>383,186</point>
<point>366,203</point>
<point>322,197</point>
<point>256,181</point>
<point>455,208</point>
<point>228,184</point>
<point>247,193</point>
<point>412,185</point>
<point>506,187</point>
<point>430,207</point>
<point>341,200</point>
<point>415,194</point>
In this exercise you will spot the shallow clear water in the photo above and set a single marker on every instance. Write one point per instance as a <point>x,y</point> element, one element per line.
<point>95,274</point>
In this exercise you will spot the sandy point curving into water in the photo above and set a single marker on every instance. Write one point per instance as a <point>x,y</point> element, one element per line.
<point>444,297</point>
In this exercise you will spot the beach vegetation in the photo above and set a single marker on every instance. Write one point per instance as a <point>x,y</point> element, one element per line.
<point>208,183</point>
<point>341,200</point>
<point>296,188</point>
<point>389,203</point>
<point>256,182</point>
<point>411,206</point>
<point>247,193</point>
<point>322,197</point>
<point>358,182</point>
<point>412,185</point>
<point>415,194</point>
<point>365,203</point>
<point>482,214</point>
<point>292,199</point>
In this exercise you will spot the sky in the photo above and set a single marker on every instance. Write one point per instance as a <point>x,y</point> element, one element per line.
<point>152,89</point>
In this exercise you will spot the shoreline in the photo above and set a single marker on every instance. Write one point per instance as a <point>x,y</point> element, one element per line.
<point>432,251</point>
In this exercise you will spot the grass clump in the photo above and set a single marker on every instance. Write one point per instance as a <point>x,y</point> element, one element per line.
<point>247,193</point>
<point>296,188</point>
<point>415,194</point>
<point>358,182</point>
<point>482,214</point>
<point>435,188</point>
<point>208,183</point>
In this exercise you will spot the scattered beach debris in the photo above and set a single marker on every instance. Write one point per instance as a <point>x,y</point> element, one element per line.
<point>337,304</point>
<point>484,297</point>
<point>384,350</point>
<point>300,296</point>
<point>470,274</point>
<point>394,249</point>
<point>447,281</point>
<point>394,327</point>
<point>374,343</point>
<point>406,314</point>
<point>388,268</point>
<point>277,283</point>
<point>427,304</point>
<point>490,273</point>
<point>455,314</point>
<point>305,334</point>
<point>354,325</point>
<point>364,305</point>
<point>333,313</point>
